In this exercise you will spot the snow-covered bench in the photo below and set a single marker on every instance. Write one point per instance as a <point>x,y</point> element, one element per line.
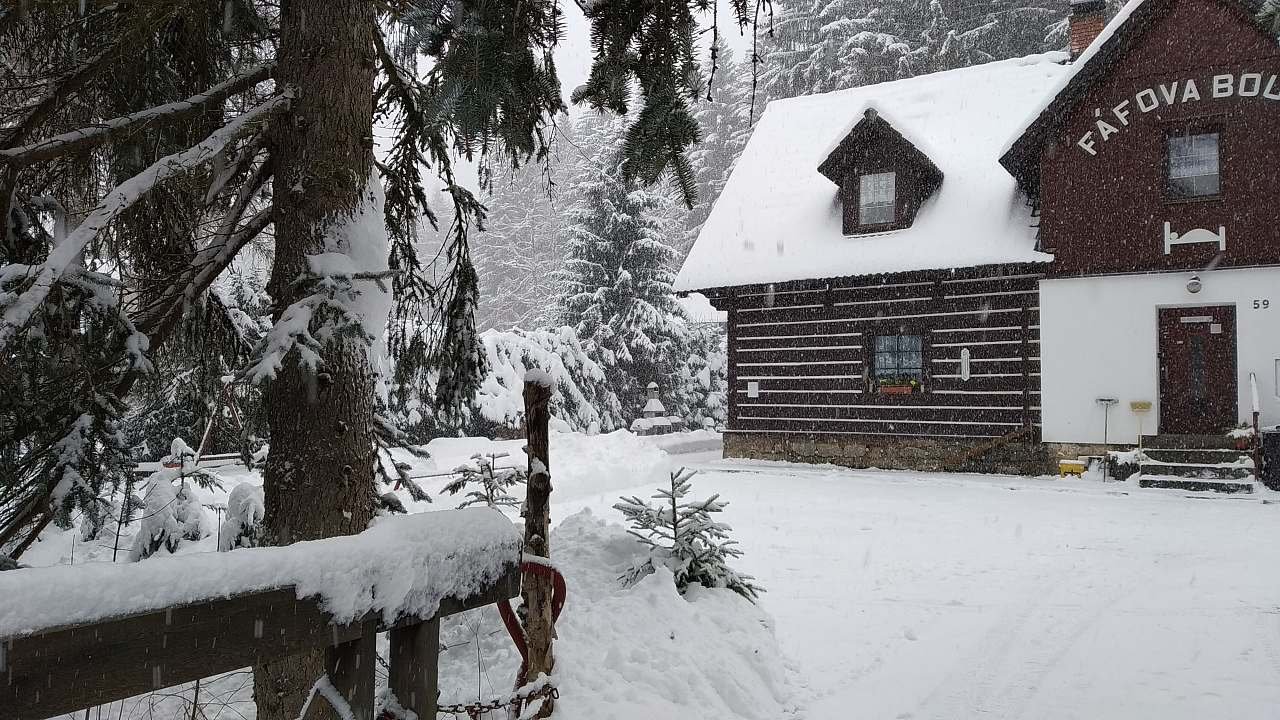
<point>76,637</point>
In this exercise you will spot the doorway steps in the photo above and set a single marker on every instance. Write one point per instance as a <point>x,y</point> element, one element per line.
<point>1196,463</point>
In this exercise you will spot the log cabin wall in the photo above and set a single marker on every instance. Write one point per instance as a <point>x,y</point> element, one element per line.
<point>809,346</point>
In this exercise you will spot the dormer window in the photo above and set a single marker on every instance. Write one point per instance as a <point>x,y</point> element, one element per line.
<point>877,199</point>
<point>873,199</point>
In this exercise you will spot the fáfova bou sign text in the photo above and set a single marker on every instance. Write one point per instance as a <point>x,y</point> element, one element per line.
<point>1120,116</point>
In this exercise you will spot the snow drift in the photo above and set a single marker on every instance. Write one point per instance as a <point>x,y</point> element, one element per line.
<point>638,653</point>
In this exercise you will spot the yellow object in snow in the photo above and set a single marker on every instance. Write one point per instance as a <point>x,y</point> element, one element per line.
<point>1071,467</point>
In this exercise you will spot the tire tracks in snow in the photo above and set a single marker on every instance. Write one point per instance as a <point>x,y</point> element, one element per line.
<point>1004,672</point>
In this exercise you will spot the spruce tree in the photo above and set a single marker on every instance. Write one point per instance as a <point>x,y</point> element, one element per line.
<point>682,536</point>
<point>617,281</point>
<point>724,117</point>
<point>522,244</point>
<point>816,46</point>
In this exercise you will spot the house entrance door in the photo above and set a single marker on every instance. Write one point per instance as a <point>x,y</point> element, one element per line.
<point>1197,369</point>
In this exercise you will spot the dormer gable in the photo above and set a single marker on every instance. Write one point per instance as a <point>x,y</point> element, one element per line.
<point>883,177</point>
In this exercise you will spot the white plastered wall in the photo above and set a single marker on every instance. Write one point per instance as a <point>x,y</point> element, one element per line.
<point>1098,338</point>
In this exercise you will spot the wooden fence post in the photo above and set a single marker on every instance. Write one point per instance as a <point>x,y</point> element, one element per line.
<point>414,666</point>
<point>350,666</point>
<point>537,588</point>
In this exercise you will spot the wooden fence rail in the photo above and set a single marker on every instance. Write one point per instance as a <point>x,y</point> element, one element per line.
<point>63,669</point>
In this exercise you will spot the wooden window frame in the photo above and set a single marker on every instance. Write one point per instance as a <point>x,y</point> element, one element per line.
<point>870,386</point>
<point>1187,127</point>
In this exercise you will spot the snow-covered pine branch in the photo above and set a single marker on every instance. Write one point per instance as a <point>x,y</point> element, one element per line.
<point>19,307</point>
<point>103,132</point>
<point>349,299</point>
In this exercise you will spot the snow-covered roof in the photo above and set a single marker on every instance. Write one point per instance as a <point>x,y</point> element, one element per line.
<point>779,219</point>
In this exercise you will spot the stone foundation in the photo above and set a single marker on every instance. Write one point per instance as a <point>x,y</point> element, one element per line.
<point>890,453</point>
<point>1071,451</point>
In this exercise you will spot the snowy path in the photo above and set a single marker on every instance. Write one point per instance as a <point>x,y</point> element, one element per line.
<point>901,595</point>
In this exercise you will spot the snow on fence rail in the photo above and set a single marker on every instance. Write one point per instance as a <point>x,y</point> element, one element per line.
<point>77,637</point>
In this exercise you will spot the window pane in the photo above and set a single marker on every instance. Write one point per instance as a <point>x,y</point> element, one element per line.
<point>876,198</point>
<point>1195,368</point>
<point>899,357</point>
<point>1194,165</point>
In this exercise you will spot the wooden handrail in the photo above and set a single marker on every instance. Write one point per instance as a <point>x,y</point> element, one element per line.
<point>50,671</point>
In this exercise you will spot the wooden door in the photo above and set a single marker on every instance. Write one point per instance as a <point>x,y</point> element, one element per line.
<point>1197,369</point>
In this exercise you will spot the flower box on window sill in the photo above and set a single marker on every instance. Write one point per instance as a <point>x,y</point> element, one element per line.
<point>898,389</point>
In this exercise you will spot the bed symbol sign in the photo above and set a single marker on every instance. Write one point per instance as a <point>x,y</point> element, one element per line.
<point>1194,237</point>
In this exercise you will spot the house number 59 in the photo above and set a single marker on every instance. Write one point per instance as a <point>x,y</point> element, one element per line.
<point>1261,304</point>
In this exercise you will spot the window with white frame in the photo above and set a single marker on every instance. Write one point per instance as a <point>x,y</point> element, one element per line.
<point>1193,165</point>
<point>877,198</point>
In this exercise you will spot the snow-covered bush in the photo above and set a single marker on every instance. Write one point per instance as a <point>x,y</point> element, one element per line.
<point>682,537</point>
<point>172,513</point>
<point>584,399</point>
<point>246,507</point>
<point>169,515</point>
<point>489,485</point>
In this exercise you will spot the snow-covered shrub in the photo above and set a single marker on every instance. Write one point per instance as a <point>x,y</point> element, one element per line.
<point>172,513</point>
<point>490,485</point>
<point>682,537</point>
<point>246,507</point>
<point>584,398</point>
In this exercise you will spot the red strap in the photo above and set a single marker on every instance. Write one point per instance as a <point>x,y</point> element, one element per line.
<point>559,590</point>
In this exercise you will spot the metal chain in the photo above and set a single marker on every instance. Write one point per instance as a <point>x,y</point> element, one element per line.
<point>477,709</point>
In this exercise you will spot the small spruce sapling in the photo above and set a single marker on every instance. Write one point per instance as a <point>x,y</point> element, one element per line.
<point>490,484</point>
<point>682,536</point>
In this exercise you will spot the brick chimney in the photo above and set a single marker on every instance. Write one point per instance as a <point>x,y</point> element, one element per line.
<point>1088,17</point>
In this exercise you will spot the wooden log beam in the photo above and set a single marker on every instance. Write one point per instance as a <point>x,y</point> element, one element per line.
<point>61,670</point>
<point>414,667</point>
<point>539,626</point>
<point>350,668</point>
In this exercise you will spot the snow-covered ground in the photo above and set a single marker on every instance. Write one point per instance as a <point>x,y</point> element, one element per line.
<point>903,595</point>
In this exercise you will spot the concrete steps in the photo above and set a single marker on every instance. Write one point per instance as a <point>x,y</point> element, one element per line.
<point>1201,456</point>
<point>1173,482</point>
<point>1196,463</point>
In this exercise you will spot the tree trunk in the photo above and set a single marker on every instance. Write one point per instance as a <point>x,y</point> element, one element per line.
<point>319,477</point>
<point>537,588</point>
